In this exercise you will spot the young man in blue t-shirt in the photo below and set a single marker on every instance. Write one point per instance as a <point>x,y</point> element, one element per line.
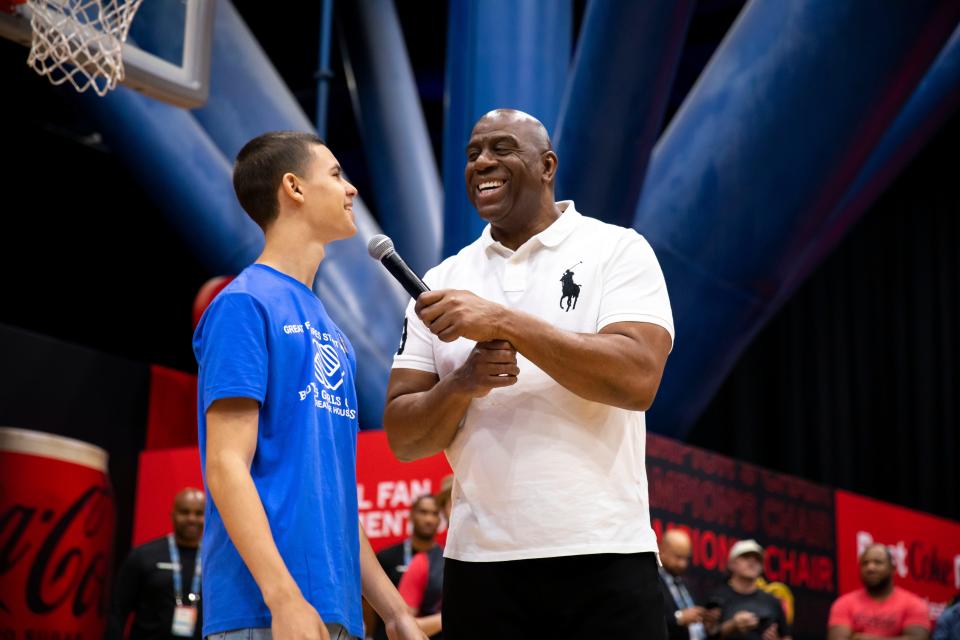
<point>283,551</point>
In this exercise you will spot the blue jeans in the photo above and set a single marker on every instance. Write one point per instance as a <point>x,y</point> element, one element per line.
<point>336,631</point>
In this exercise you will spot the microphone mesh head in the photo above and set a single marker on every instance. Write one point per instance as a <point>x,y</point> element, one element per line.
<point>379,246</point>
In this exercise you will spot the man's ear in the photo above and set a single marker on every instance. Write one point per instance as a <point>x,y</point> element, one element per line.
<point>290,187</point>
<point>550,161</point>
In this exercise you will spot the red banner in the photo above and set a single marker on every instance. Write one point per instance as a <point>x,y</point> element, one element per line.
<point>386,488</point>
<point>162,475</point>
<point>925,549</point>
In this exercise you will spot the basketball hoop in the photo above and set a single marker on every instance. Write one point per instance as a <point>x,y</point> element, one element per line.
<point>80,41</point>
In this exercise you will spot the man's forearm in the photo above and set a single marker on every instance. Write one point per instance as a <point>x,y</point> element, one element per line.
<point>608,368</point>
<point>238,502</point>
<point>376,586</point>
<point>424,423</point>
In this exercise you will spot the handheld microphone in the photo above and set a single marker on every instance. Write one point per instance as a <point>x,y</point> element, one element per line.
<point>380,247</point>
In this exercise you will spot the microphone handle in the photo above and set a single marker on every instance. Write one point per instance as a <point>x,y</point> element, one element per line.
<point>404,274</point>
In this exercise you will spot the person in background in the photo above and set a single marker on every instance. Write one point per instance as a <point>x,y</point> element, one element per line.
<point>684,618</point>
<point>159,582</point>
<point>948,624</point>
<point>746,611</point>
<point>444,498</point>
<point>880,609</point>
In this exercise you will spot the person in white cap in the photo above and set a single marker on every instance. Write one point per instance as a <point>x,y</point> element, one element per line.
<point>746,611</point>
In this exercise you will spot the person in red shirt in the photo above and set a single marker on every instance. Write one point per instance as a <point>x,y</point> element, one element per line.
<point>421,588</point>
<point>879,610</point>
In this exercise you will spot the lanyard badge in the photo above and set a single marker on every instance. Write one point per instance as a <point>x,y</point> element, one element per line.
<point>184,615</point>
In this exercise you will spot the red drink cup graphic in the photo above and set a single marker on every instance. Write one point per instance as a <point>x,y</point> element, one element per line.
<point>56,532</point>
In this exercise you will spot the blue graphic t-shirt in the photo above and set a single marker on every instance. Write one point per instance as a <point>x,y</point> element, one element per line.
<point>266,336</point>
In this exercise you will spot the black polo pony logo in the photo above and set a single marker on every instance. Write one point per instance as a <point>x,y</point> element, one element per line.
<point>571,290</point>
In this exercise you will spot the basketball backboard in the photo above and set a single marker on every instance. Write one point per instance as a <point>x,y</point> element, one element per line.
<point>167,52</point>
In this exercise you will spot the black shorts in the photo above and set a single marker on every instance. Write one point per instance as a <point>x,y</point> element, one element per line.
<point>606,595</point>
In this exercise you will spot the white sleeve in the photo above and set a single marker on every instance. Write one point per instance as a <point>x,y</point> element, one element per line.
<point>416,344</point>
<point>633,286</point>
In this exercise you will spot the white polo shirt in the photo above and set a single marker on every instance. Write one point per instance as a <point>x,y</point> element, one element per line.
<point>540,472</point>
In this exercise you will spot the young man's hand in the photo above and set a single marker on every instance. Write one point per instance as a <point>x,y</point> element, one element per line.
<point>404,627</point>
<point>296,619</point>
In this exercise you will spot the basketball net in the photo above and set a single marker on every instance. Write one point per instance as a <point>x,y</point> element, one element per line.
<point>80,41</point>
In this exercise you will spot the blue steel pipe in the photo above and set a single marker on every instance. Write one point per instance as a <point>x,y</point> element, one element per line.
<point>613,108</point>
<point>770,139</point>
<point>169,153</point>
<point>931,105</point>
<point>323,66</point>
<point>500,53</point>
<point>394,130</point>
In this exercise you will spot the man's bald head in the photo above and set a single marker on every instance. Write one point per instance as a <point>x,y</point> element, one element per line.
<point>188,508</point>
<point>510,174</point>
<point>189,494</point>
<point>536,133</point>
<point>677,539</point>
<point>675,551</point>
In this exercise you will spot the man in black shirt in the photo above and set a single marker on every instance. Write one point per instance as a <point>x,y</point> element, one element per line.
<point>746,611</point>
<point>148,582</point>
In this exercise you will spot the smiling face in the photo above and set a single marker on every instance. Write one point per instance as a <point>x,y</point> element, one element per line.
<point>324,195</point>
<point>187,516</point>
<point>510,168</point>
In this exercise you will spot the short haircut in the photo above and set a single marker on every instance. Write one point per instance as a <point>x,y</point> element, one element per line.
<point>260,166</point>
<point>426,496</point>
<point>878,545</point>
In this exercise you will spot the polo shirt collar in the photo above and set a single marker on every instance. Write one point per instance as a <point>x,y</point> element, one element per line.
<point>549,237</point>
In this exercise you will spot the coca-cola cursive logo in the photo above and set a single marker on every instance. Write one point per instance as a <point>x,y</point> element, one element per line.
<point>62,556</point>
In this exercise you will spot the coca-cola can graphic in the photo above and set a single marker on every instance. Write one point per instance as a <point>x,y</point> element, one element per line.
<point>57,520</point>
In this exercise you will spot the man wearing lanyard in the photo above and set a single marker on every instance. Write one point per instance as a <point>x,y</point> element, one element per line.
<point>151,581</point>
<point>684,619</point>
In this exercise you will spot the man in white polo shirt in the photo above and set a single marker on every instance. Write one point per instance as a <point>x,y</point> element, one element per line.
<point>531,363</point>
